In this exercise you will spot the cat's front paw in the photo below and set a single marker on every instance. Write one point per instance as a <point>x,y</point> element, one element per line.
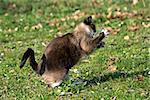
<point>100,44</point>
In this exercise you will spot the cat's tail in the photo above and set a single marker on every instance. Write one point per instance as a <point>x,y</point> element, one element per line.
<point>29,54</point>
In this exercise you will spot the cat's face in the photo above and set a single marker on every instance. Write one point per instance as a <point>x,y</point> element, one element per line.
<point>87,26</point>
<point>88,21</point>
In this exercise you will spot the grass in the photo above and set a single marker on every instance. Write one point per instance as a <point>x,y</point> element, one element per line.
<point>129,81</point>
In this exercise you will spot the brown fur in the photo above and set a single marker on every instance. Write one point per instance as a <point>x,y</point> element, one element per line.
<point>64,52</point>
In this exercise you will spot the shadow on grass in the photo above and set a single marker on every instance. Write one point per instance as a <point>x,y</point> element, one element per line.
<point>116,75</point>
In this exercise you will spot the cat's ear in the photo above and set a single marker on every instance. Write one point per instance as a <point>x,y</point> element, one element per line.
<point>88,20</point>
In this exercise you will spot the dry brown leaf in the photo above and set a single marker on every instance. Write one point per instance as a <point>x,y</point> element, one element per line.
<point>111,61</point>
<point>109,1</point>
<point>76,12</point>
<point>133,28</point>
<point>126,37</point>
<point>76,17</point>
<point>57,24</point>
<point>109,29</point>
<point>59,34</point>
<point>9,30</point>
<point>79,13</point>
<point>38,26</point>
<point>115,31</point>
<point>143,94</point>
<point>63,19</point>
<point>112,69</point>
<point>60,28</point>
<point>67,17</point>
<point>102,98</point>
<point>51,30</point>
<point>6,14</point>
<point>95,2</point>
<point>107,22</point>
<point>146,25</point>
<point>53,22</point>
<point>140,78</point>
<point>95,15</point>
<point>109,15</point>
<point>26,28</point>
<point>118,13</point>
<point>134,2</point>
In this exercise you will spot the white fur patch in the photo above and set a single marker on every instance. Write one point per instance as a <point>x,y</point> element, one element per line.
<point>56,84</point>
<point>87,29</point>
<point>105,32</point>
<point>90,32</point>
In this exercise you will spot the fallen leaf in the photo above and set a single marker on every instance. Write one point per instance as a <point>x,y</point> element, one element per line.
<point>143,93</point>
<point>109,1</point>
<point>119,14</point>
<point>26,28</point>
<point>133,28</point>
<point>60,28</point>
<point>115,31</point>
<point>59,34</point>
<point>6,14</point>
<point>51,30</point>
<point>107,22</point>
<point>111,61</point>
<point>112,69</point>
<point>38,26</point>
<point>102,98</point>
<point>109,15</point>
<point>52,22</point>
<point>63,19</point>
<point>134,2</point>
<point>9,30</point>
<point>126,37</point>
<point>94,16</point>
<point>76,12</point>
<point>146,25</point>
<point>109,29</point>
<point>140,78</point>
<point>95,2</point>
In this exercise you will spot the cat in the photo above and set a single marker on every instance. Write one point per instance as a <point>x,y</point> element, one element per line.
<point>62,53</point>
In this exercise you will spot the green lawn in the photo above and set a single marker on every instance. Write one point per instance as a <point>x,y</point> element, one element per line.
<point>120,70</point>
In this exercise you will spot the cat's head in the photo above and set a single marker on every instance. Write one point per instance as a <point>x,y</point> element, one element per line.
<point>87,26</point>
